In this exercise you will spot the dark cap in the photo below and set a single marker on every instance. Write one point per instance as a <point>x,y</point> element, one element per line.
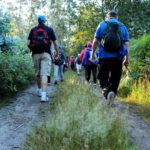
<point>112,14</point>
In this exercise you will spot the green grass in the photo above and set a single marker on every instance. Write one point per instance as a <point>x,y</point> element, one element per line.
<point>79,121</point>
<point>136,93</point>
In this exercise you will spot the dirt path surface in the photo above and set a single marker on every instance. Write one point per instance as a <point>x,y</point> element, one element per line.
<point>138,129</point>
<point>19,116</point>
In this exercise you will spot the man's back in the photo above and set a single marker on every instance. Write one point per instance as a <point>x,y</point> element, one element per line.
<point>41,33</point>
<point>100,33</point>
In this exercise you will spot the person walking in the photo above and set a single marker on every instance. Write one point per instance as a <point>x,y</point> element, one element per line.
<point>83,51</point>
<point>113,38</point>
<point>72,63</point>
<point>39,42</point>
<point>78,64</point>
<point>89,64</point>
<point>59,65</point>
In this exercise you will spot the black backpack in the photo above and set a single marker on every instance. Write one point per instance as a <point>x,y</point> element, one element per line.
<point>40,39</point>
<point>78,60</point>
<point>112,38</point>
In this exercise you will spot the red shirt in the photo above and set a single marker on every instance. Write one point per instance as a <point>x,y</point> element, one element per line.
<point>82,53</point>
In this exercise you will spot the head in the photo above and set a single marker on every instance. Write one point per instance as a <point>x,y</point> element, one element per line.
<point>85,46</point>
<point>89,44</point>
<point>78,55</point>
<point>111,14</point>
<point>42,19</point>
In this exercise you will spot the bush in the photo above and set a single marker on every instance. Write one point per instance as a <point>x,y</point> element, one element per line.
<point>140,56</point>
<point>16,71</point>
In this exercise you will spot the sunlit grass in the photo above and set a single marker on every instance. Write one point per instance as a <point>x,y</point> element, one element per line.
<point>138,94</point>
<point>80,121</point>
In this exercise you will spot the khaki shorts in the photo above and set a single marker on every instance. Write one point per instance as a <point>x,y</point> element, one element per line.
<point>42,64</point>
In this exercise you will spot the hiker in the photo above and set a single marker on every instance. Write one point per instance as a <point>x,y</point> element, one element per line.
<point>59,65</point>
<point>72,63</point>
<point>113,38</point>
<point>89,64</point>
<point>78,64</point>
<point>39,42</point>
<point>83,51</point>
<point>66,64</point>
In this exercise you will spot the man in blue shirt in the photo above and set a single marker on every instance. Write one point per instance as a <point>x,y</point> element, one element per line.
<point>110,63</point>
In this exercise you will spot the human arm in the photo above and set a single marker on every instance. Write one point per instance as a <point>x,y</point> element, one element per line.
<point>28,42</point>
<point>29,37</point>
<point>55,43</point>
<point>126,59</point>
<point>126,43</point>
<point>95,44</point>
<point>98,36</point>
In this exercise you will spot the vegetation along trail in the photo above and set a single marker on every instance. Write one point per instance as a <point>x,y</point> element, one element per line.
<point>76,117</point>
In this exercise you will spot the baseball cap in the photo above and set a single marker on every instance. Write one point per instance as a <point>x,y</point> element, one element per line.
<point>89,44</point>
<point>42,18</point>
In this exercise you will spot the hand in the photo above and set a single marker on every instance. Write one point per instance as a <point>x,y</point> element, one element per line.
<point>93,57</point>
<point>126,62</point>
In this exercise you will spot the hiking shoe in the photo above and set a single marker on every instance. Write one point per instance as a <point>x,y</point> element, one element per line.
<point>105,92</point>
<point>49,79</point>
<point>55,82</point>
<point>110,97</point>
<point>61,80</point>
<point>39,92</point>
<point>44,97</point>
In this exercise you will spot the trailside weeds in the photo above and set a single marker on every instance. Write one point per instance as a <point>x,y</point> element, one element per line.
<point>80,121</point>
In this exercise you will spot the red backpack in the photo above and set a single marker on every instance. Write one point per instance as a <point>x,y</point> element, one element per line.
<point>39,40</point>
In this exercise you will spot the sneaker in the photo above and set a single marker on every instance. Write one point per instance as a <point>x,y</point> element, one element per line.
<point>110,97</point>
<point>94,85</point>
<point>44,97</point>
<point>39,92</point>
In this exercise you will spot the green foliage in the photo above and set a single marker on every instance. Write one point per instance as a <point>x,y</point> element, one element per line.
<point>137,91</point>
<point>16,71</point>
<point>134,14</point>
<point>5,30</point>
<point>79,121</point>
<point>89,16</point>
<point>15,65</point>
<point>140,56</point>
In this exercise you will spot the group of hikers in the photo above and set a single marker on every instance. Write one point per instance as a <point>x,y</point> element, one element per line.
<point>105,63</point>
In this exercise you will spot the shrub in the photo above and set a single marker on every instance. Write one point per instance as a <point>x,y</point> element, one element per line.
<point>16,71</point>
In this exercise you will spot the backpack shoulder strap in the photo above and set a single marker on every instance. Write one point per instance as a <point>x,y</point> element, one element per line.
<point>107,22</point>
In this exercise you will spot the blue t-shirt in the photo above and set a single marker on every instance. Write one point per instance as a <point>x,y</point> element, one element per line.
<point>99,34</point>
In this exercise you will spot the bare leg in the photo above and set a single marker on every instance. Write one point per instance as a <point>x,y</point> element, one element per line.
<point>44,83</point>
<point>38,79</point>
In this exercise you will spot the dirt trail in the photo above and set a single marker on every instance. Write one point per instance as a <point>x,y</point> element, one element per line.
<point>138,129</point>
<point>18,117</point>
